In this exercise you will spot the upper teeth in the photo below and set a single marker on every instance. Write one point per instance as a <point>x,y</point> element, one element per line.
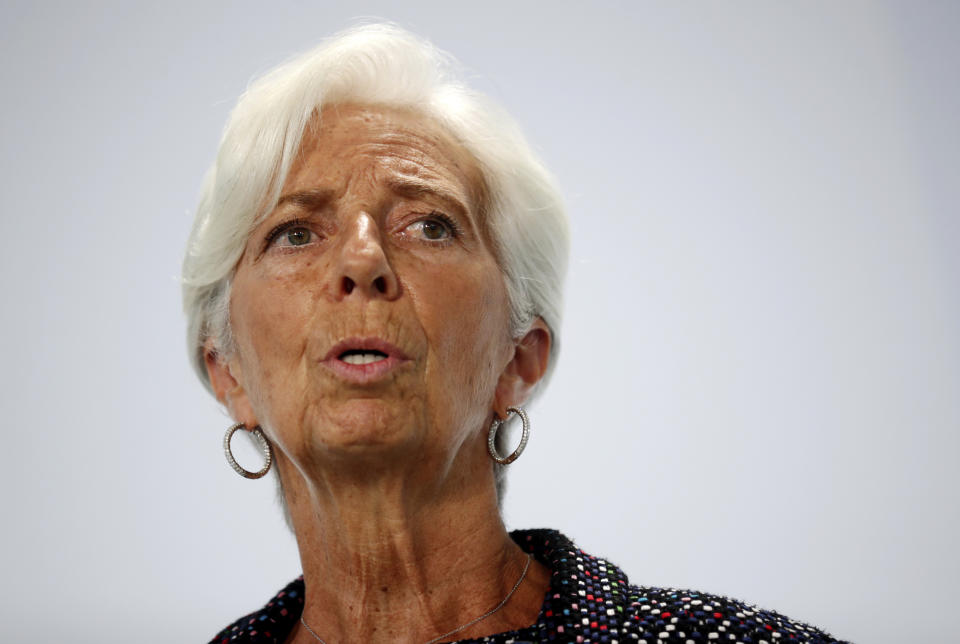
<point>363,358</point>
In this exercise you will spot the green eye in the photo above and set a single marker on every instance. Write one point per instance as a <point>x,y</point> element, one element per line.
<point>433,229</point>
<point>298,236</point>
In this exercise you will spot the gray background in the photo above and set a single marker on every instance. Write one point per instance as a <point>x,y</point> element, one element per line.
<point>758,391</point>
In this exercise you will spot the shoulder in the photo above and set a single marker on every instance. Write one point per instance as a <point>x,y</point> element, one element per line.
<point>592,600</point>
<point>693,615</point>
<point>269,625</point>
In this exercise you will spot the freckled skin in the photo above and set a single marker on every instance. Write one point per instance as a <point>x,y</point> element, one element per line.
<point>448,311</point>
<point>389,483</point>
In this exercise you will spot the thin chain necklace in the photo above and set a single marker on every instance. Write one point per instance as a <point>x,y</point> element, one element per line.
<point>487,614</point>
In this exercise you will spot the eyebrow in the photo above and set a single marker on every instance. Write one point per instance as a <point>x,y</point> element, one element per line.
<point>307,199</point>
<point>414,189</point>
<point>405,187</point>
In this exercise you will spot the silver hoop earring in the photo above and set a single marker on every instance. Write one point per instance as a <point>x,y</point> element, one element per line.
<point>495,427</point>
<point>267,452</point>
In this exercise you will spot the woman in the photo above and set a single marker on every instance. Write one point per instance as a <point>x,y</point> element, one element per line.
<point>373,286</point>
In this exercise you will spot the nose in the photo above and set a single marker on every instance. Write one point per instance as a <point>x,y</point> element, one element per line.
<point>363,266</point>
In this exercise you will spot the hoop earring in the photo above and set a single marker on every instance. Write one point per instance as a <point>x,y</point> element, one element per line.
<point>264,444</point>
<point>492,436</point>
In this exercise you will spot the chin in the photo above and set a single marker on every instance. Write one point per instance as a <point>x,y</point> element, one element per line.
<point>367,424</point>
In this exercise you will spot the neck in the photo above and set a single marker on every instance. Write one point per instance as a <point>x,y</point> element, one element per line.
<point>383,561</point>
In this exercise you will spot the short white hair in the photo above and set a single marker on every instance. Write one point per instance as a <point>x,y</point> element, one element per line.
<point>379,65</point>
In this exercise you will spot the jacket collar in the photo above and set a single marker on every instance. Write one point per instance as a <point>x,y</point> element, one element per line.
<point>586,593</point>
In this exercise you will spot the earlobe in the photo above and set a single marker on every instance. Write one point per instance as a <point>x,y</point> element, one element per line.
<point>226,387</point>
<point>531,357</point>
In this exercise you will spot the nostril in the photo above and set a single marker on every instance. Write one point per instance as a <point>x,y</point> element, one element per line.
<point>348,285</point>
<point>380,284</point>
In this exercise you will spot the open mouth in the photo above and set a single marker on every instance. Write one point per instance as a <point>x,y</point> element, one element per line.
<point>362,356</point>
<point>364,360</point>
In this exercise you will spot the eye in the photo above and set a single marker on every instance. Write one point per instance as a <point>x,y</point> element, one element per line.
<point>436,227</point>
<point>290,234</point>
<point>296,236</point>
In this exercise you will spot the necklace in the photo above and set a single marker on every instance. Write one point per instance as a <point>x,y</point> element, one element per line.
<point>503,602</point>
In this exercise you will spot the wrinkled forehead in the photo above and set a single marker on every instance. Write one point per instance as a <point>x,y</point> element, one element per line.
<point>400,141</point>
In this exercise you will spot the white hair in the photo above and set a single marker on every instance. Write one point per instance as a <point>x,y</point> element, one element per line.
<point>379,65</point>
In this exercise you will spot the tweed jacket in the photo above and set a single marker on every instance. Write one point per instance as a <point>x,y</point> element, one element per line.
<point>589,600</point>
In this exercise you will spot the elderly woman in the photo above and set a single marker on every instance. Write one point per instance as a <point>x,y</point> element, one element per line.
<point>373,288</point>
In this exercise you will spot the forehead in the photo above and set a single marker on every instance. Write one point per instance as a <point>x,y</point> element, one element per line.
<point>345,140</point>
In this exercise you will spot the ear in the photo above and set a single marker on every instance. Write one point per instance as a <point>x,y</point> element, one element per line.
<point>531,355</point>
<point>225,381</point>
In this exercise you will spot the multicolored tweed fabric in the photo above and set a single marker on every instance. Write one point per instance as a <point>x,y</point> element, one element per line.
<point>589,600</point>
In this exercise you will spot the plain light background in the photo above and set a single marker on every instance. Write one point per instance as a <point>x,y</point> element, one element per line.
<point>758,390</point>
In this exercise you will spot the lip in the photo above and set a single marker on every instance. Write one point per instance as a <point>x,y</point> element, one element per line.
<point>364,373</point>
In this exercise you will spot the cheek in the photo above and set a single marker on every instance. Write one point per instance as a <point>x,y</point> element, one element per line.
<point>466,320</point>
<point>268,317</point>
<point>273,305</point>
